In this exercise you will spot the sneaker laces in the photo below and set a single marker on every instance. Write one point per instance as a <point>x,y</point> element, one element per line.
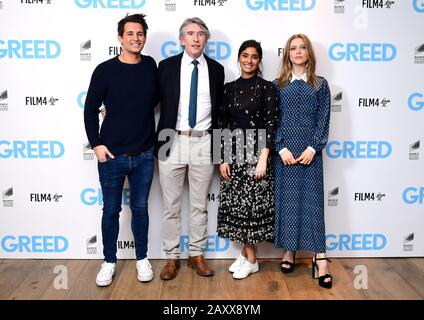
<point>242,259</point>
<point>144,266</point>
<point>107,270</point>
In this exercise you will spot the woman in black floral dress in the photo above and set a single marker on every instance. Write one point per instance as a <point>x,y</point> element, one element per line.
<point>250,112</point>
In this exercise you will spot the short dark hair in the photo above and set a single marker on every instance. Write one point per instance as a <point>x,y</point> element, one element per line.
<point>137,18</point>
<point>252,44</point>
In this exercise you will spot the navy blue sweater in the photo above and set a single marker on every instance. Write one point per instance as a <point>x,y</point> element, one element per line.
<point>129,93</point>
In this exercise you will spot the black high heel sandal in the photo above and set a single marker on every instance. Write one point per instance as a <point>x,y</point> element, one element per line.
<point>321,279</point>
<point>291,264</point>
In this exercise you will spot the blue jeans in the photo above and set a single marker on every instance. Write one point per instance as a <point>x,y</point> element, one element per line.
<point>112,173</point>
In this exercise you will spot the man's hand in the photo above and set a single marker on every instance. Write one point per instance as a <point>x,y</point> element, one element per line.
<point>102,153</point>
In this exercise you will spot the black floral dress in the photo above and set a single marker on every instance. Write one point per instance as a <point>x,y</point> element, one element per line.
<point>246,208</point>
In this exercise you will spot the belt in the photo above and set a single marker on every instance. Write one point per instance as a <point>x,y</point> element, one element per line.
<point>192,133</point>
<point>132,154</point>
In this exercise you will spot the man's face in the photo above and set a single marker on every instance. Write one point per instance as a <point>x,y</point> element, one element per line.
<point>133,38</point>
<point>193,40</point>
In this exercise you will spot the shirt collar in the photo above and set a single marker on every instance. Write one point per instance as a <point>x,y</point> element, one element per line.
<point>187,59</point>
<point>301,77</point>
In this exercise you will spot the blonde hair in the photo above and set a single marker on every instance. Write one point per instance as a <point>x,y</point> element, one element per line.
<point>286,65</point>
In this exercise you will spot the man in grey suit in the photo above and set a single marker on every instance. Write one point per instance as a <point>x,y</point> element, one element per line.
<point>191,90</point>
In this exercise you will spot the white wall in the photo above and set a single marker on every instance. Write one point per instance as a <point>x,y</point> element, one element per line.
<point>42,146</point>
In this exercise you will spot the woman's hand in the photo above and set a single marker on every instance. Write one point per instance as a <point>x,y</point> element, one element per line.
<point>287,158</point>
<point>306,157</point>
<point>224,169</point>
<point>261,168</point>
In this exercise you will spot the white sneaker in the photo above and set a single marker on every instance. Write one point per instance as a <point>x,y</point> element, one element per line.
<point>246,269</point>
<point>144,270</point>
<point>237,264</point>
<point>105,275</point>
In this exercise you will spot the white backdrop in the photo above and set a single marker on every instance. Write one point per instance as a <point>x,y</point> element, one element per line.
<point>371,52</point>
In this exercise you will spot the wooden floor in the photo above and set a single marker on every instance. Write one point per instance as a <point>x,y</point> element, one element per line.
<point>388,278</point>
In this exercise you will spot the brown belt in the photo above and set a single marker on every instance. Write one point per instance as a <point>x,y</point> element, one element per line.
<point>192,133</point>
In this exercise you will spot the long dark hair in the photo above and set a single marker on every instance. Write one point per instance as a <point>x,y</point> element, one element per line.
<point>252,44</point>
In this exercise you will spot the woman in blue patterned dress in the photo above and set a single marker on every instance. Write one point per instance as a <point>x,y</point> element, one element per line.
<point>301,135</point>
<point>246,209</point>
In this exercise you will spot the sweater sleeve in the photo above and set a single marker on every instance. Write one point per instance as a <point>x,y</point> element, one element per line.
<point>95,97</point>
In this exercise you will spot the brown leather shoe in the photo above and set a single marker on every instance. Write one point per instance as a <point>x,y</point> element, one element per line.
<point>199,264</point>
<point>170,270</point>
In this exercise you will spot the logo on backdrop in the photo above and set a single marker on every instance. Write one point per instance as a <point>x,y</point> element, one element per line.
<point>413,195</point>
<point>36,244</point>
<point>369,196</point>
<point>356,242</point>
<point>213,243</point>
<point>281,5</point>
<point>125,244</point>
<point>36,1</point>
<point>217,50</point>
<point>280,52</point>
<point>114,50</point>
<point>110,4</point>
<point>419,54</point>
<point>7,197</point>
<point>170,5</point>
<point>418,5</point>
<point>210,3</point>
<point>339,6</point>
<point>362,52</point>
<point>408,242</point>
<point>81,99</point>
<point>377,4</point>
<point>416,101</point>
<point>91,196</point>
<point>31,149</point>
<point>372,103</point>
<point>337,102</point>
<point>44,197</point>
<point>333,197</point>
<point>85,48</point>
<point>41,101</point>
<point>1,5</point>
<point>29,49</point>
<point>358,149</point>
<point>87,152</point>
<point>414,153</point>
<point>91,245</point>
<point>4,106</point>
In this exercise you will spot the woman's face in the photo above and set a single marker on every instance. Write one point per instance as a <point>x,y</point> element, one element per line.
<point>298,52</point>
<point>249,62</point>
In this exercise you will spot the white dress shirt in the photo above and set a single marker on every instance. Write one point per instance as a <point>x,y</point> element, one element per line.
<point>204,107</point>
<point>294,77</point>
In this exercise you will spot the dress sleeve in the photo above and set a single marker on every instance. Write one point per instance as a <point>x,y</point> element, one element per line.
<point>322,124</point>
<point>224,122</point>
<point>278,136</point>
<point>271,113</point>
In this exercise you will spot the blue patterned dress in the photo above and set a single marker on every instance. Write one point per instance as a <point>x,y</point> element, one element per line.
<point>299,189</point>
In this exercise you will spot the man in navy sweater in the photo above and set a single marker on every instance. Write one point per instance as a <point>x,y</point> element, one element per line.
<point>127,86</point>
